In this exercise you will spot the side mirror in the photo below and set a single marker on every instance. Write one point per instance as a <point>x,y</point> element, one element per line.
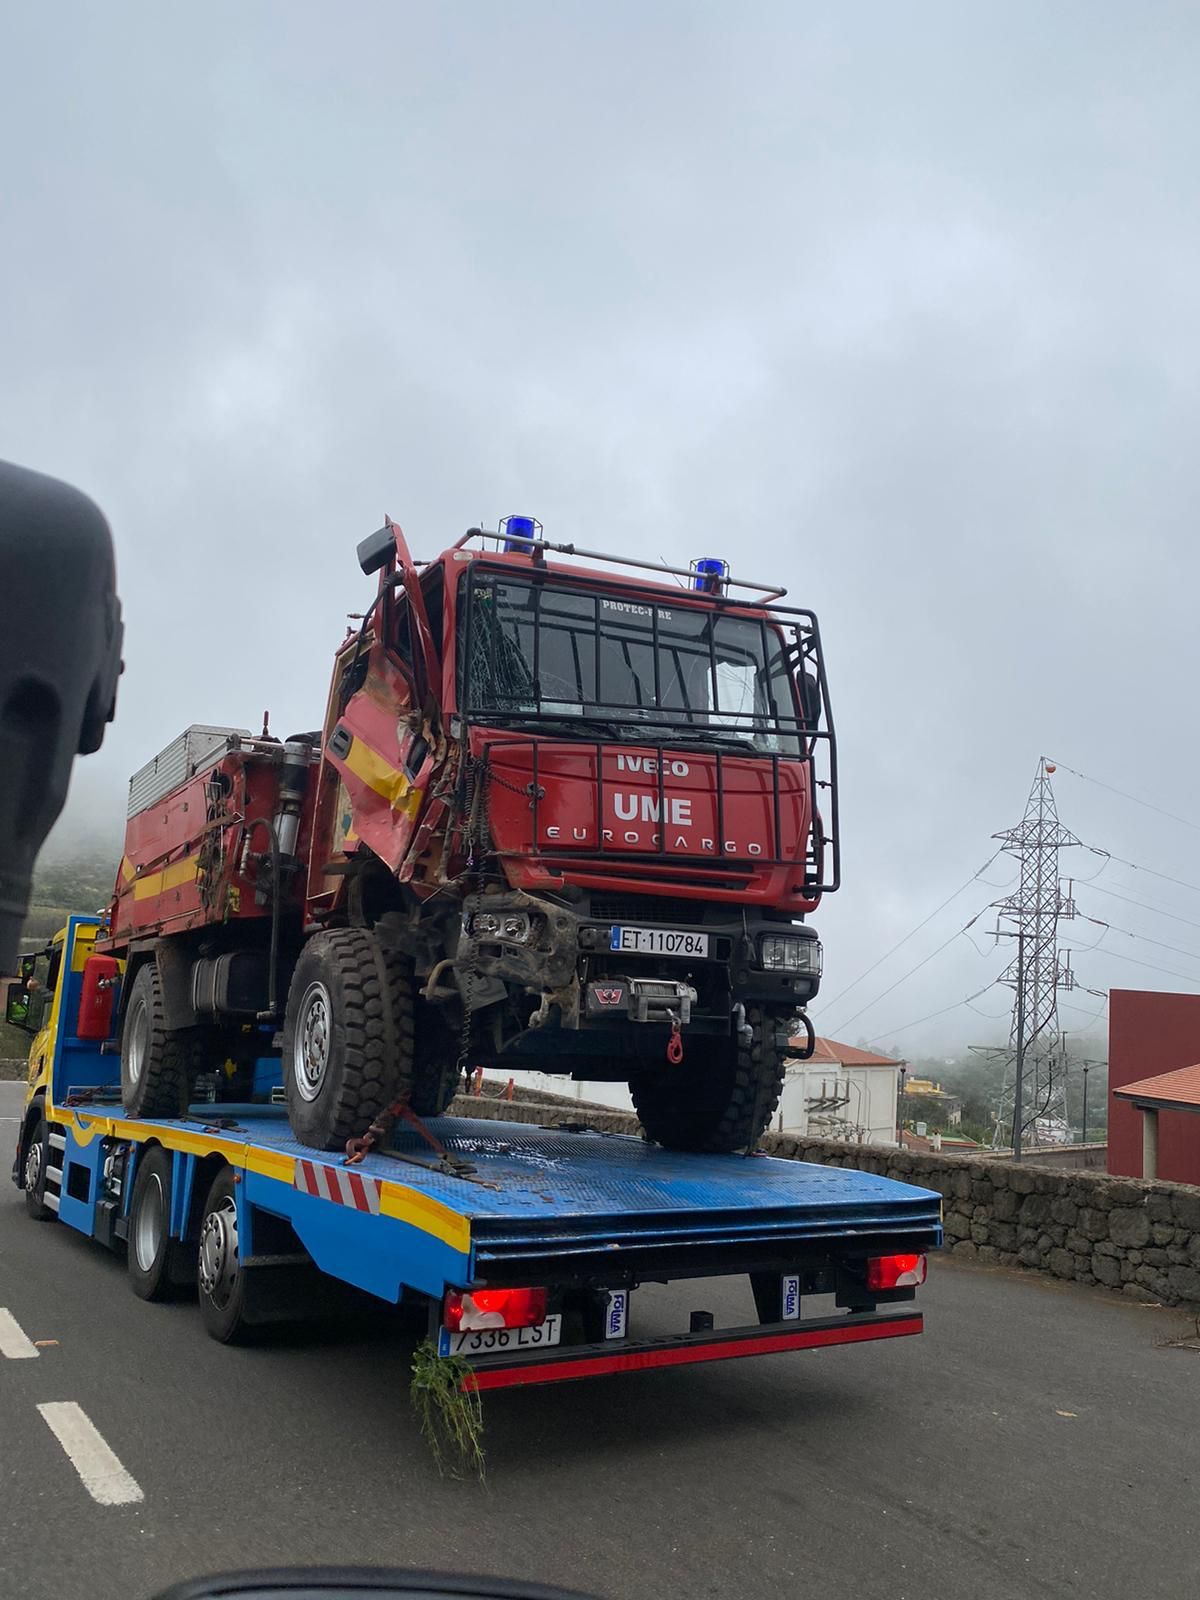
<point>809,689</point>
<point>376,550</point>
<point>16,1008</point>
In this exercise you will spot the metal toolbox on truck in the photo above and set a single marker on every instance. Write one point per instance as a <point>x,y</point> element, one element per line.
<point>177,763</point>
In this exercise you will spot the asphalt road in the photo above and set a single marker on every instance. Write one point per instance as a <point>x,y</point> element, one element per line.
<point>1035,1441</point>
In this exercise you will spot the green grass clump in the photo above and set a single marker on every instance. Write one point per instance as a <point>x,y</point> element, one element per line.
<point>450,1412</point>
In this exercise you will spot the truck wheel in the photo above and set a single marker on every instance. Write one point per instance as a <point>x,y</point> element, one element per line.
<point>220,1279</point>
<point>347,1036</point>
<point>155,1065</point>
<point>437,1075</point>
<point>33,1173</point>
<point>723,1094</point>
<point>150,1245</point>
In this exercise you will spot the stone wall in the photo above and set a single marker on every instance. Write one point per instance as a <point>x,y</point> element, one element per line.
<point>1140,1238</point>
<point>1089,1157</point>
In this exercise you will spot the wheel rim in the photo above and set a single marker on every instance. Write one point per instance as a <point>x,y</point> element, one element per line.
<point>310,1053</point>
<point>148,1224</point>
<point>135,1052</point>
<point>218,1264</point>
<point>33,1167</point>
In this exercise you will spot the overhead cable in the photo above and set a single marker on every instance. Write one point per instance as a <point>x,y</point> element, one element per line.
<point>891,1033</point>
<point>1135,799</point>
<point>910,973</point>
<point>1137,867</point>
<point>912,931</point>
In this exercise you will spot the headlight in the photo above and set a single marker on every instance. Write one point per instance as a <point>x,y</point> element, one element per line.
<point>515,926</point>
<point>787,952</point>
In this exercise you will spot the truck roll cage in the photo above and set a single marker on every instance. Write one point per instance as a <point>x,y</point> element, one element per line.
<point>503,685</point>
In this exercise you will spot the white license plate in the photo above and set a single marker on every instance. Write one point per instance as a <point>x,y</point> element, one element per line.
<point>658,942</point>
<point>496,1341</point>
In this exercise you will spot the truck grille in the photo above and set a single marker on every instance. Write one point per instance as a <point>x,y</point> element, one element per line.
<point>646,908</point>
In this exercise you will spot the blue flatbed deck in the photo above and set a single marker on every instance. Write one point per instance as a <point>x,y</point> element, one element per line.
<point>542,1196</point>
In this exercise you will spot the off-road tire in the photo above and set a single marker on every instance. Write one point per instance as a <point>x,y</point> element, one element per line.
<point>437,1075</point>
<point>157,1067</point>
<point>340,1073</point>
<point>721,1097</point>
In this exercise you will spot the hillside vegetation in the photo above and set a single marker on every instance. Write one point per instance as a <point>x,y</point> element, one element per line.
<point>82,882</point>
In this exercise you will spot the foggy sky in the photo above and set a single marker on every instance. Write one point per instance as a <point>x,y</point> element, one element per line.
<point>894,304</point>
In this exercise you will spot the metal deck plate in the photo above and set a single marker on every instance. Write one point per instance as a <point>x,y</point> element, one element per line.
<point>523,1172</point>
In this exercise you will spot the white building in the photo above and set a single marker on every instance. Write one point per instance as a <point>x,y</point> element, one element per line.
<point>840,1092</point>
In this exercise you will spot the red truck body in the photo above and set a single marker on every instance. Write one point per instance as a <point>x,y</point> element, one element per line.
<point>535,784</point>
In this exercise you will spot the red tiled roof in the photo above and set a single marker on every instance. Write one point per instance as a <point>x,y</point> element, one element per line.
<point>1179,1088</point>
<point>915,1141</point>
<point>830,1053</point>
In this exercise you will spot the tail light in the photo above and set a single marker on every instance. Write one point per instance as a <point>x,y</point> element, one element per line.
<point>895,1272</point>
<point>463,1311</point>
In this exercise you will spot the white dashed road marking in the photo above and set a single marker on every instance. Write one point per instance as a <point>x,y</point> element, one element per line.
<point>104,1478</point>
<point>14,1343</point>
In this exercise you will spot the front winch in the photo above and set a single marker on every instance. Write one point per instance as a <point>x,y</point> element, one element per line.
<point>641,999</point>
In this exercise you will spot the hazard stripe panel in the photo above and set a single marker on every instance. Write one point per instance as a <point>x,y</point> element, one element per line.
<point>847,1331</point>
<point>339,1184</point>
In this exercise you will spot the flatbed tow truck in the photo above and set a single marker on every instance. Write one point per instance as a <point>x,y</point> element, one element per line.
<point>523,1245</point>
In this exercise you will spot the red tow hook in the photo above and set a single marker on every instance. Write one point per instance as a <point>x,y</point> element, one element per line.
<point>675,1043</point>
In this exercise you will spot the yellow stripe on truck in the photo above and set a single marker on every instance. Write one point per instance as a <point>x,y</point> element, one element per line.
<point>427,1214</point>
<point>172,877</point>
<point>419,1210</point>
<point>383,778</point>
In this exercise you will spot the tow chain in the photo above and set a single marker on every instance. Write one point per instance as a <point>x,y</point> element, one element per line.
<point>362,1144</point>
<point>400,1110</point>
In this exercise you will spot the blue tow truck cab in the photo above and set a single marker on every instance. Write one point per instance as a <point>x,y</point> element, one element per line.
<point>524,1245</point>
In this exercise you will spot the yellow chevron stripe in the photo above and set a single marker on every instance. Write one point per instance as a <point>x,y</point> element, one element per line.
<point>383,778</point>
<point>419,1210</point>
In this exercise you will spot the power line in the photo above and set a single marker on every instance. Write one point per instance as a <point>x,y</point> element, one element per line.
<point>924,923</point>
<point>1088,1016</point>
<point>1175,949</point>
<point>891,1033</point>
<point>1082,949</point>
<point>991,1016</point>
<point>871,1004</point>
<point>1148,905</point>
<point>1166,876</point>
<point>1136,800</point>
<point>1150,966</point>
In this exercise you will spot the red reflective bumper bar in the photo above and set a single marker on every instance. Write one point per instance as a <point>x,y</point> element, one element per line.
<point>596,1362</point>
